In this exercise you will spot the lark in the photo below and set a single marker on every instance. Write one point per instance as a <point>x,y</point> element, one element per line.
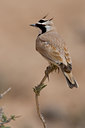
<point>54,49</point>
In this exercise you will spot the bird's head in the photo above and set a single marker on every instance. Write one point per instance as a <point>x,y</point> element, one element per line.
<point>44,25</point>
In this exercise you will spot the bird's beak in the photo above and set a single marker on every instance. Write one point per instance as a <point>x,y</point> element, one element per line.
<point>33,25</point>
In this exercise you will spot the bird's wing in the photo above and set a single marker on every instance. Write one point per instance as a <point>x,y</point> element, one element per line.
<point>56,54</point>
<point>53,50</point>
<point>51,53</point>
<point>67,55</point>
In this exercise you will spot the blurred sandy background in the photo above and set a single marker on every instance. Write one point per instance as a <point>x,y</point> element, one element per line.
<point>21,67</point>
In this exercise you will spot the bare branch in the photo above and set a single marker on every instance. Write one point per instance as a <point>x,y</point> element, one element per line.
<point>38,112</point>
<point>38,89</point>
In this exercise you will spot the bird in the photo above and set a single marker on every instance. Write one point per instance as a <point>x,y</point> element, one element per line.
<point>54,49</point>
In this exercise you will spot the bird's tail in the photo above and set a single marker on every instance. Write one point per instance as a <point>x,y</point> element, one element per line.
<point>70,80</point>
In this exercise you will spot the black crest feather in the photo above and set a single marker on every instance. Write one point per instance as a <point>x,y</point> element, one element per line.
<point>45,16</point>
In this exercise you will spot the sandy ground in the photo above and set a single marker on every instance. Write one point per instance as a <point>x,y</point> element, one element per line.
<point>21,67</point>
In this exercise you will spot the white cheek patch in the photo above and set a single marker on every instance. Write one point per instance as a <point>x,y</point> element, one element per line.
<point>48,28</point>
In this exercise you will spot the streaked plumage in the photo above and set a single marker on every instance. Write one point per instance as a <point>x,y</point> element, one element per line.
<point>52,47</point>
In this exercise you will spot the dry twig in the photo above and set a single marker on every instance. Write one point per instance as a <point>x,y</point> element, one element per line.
<point>4,93</point>
<point>3,118</point>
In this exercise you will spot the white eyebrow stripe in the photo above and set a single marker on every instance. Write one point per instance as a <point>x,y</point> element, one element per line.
<point>39,23</point>
<point>42,23</point>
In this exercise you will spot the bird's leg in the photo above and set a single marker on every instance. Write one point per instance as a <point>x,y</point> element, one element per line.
<point>50,69</point>
<point>58,69</point>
